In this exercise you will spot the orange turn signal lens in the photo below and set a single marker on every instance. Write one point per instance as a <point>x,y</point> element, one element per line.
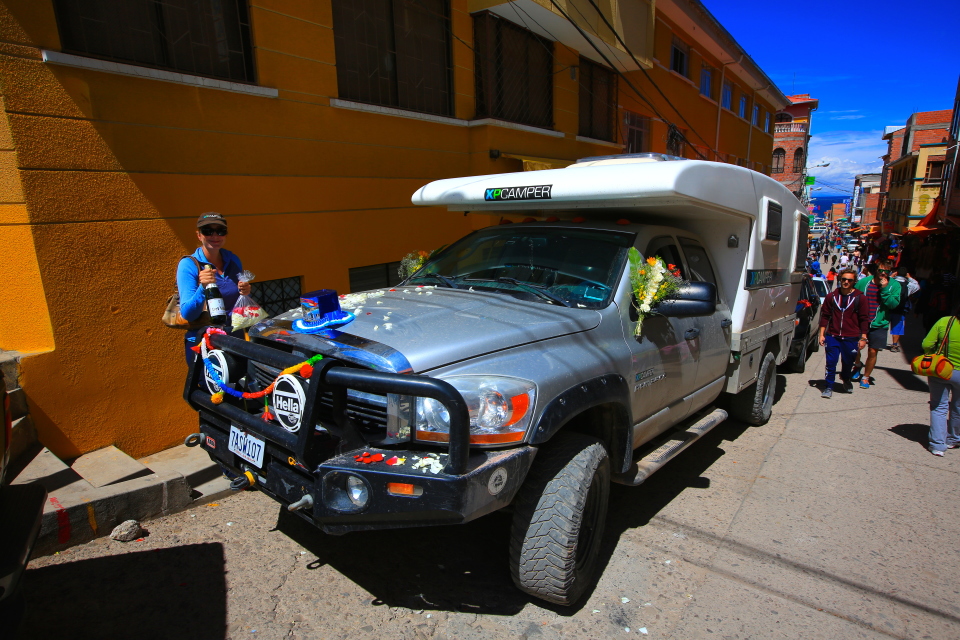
<point>404,489</point>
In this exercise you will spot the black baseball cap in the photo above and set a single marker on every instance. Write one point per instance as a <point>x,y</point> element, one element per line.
<point>211,219</point>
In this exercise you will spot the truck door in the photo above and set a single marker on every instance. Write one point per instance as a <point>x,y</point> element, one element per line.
<point>713,343</point>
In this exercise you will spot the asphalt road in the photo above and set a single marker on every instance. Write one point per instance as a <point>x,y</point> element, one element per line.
<point>832,521</point>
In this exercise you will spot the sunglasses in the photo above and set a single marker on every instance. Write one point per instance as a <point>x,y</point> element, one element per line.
<point>848,279</point>
<point>209,231</point>
<point>883,271</point>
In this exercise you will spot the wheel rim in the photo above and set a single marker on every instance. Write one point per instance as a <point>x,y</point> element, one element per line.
<point>589,523</point>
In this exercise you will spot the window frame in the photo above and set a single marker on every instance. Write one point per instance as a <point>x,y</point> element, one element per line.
<point>743,106</point>
<point>775,167</point>
<point>590,73</point>
<point>726,95</point>
<point>706,73</point>
<point>678,46</point>
<point>799,160</point>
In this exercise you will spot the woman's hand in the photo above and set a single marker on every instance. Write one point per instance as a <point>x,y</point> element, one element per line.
<point>244,288</point>
<point>207,276</point>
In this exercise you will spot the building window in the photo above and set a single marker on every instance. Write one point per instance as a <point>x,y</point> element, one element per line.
<point>742,111</point>
<point>706,82</point>
<point>514,72</point>
<point>637,132</point>
<point>394,53</point>
<point>598,101</point>
<point>374,276</point>
<point>755,118</point>
<point>679,57</point>
<point>766,122</point>
<point>726,96</point>
<point>798,160</point>
<point>203,38</point>
<point>934,172</point>
<point>784,117</point>
<point>779,156</point>
<point>277,296</point>
<point>675,142</point>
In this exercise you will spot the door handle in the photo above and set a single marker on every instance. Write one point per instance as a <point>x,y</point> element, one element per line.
<point>726,322</point>
<point>691,333</point>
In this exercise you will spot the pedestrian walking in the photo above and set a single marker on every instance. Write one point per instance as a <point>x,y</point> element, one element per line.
<point>844,325</point>
<point>898,317</point>
<point>944,394</point>
<point>882,297</point>
<point>831,278</point>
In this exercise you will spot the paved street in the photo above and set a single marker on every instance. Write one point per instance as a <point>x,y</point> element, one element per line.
<point>832,521</point>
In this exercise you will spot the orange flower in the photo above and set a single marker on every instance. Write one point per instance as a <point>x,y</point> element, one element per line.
<point>424,254</point>
<point>651,261</point>
<point>671,267</point>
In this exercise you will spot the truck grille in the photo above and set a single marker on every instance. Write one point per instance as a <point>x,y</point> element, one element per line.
<point>367,410</point>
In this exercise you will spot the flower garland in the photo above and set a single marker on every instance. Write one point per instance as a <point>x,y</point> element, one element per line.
<point>652,280</point>
<point>305,369</point>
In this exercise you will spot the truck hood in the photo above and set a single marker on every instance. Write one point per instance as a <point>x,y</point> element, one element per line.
<point>415,329</point>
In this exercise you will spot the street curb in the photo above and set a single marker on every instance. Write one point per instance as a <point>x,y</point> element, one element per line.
<point>94,513</point>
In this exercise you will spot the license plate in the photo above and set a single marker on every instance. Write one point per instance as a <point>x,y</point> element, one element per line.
<point>246,446</point>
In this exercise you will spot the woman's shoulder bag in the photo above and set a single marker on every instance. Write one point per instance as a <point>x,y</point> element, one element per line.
<point>935,364</point>
<point>171,315</point>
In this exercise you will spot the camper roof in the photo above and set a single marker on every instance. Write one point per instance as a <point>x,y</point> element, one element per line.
<point>642,185</point>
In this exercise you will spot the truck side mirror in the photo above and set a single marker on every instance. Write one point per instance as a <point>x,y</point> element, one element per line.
<point>693,299</point>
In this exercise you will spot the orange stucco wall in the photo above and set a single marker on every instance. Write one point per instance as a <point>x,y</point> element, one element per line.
<point>109,173</point>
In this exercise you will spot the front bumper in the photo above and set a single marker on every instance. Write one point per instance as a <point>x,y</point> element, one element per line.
<point>466,485</point>
<point>489,482</point>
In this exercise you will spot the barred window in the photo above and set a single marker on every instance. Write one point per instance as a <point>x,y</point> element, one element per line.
<point>637,132</point>
<point>394,53</point>
<point>598,101</point>
<point>779,157</point>
<point>202,37</point>
<point>374,276</point>
<point>514,72</point>
<point>798,160</point>
<point>277,296</point>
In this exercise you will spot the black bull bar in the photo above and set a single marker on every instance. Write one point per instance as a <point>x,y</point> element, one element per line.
<point>330,375</point>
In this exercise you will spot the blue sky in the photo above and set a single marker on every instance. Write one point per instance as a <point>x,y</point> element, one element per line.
<point>870,65</point>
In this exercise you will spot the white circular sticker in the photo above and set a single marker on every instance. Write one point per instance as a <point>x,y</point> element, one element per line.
<point>497,481</point>
<point>219,363</point>
<point>288,399</point>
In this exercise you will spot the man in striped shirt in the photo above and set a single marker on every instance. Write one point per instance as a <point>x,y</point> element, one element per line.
<point>883,294</point>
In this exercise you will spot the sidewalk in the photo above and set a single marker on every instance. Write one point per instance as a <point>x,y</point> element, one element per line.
<point>101,489</point>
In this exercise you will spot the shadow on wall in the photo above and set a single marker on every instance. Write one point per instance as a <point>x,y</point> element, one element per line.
<point>163,593</point>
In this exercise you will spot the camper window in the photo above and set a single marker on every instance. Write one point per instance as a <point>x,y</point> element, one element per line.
<point>774,221</point>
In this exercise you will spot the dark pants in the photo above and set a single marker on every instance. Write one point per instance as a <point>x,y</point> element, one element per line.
<point>843,349</point>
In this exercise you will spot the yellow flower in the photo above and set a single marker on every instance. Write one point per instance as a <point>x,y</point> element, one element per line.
<point>651,261</point>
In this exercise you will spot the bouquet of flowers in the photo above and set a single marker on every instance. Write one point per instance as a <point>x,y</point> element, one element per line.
<point>652,280</point>
<point>411,263</point>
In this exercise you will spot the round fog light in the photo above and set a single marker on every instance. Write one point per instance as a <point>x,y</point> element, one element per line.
<point>357,491</point>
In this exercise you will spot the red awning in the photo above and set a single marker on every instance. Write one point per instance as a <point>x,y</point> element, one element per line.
<point>930,220</point>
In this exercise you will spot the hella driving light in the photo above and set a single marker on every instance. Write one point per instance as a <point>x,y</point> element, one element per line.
<point>500,410</point>
<point>344,491</point>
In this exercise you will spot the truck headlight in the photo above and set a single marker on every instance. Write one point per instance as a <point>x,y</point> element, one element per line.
<point>500,410</point>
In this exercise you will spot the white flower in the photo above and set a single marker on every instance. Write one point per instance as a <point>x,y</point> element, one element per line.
<point>645,308</point>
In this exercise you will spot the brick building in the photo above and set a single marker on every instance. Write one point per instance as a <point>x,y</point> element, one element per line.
<point>950,191</point>
<point>791,135</point>
<point>913,168</point>
<point>866,196</point>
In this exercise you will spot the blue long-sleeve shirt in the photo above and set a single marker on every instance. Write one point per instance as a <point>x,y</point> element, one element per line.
<point>192,297</point>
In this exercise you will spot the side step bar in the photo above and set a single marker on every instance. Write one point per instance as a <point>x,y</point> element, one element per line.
<point>669,446</point>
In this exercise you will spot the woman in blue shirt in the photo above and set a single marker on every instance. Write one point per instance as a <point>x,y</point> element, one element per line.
<point>212,234</point>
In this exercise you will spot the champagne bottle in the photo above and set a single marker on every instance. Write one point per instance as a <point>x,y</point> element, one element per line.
<point>215,306</point>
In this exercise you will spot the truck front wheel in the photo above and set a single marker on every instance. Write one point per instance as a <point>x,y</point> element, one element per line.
<point>754,405</point>
<point>559,517</point>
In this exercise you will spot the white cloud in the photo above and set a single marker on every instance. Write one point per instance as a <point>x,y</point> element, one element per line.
<point>856,117</point>
<point>849,153</point>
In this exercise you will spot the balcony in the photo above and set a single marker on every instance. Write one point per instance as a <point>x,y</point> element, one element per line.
<point>790,127</point>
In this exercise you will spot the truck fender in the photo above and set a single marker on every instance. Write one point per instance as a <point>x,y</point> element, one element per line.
<point>609,392</point>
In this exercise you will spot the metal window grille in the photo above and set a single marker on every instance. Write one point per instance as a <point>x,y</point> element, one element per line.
<point>779,157</point>
<point>374,276</point>
<point>202,37</point>
<point>598,101</point>
<point>394,53</point>
<point>784,117</point>
<point>798,161</point>
<point>638,132</point>
<point>514,72</point>
<point>277,296</point>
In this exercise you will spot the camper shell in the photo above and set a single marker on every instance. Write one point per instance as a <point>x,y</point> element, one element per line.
<point>506,371</point>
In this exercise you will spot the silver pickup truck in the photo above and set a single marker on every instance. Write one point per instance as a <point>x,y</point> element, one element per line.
<point>506,370</point>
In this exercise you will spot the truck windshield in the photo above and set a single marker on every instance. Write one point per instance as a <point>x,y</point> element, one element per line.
<point>554,265</point>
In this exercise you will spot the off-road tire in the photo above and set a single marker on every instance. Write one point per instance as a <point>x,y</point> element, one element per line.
<point>754,405</point>
<point>558,520</point>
